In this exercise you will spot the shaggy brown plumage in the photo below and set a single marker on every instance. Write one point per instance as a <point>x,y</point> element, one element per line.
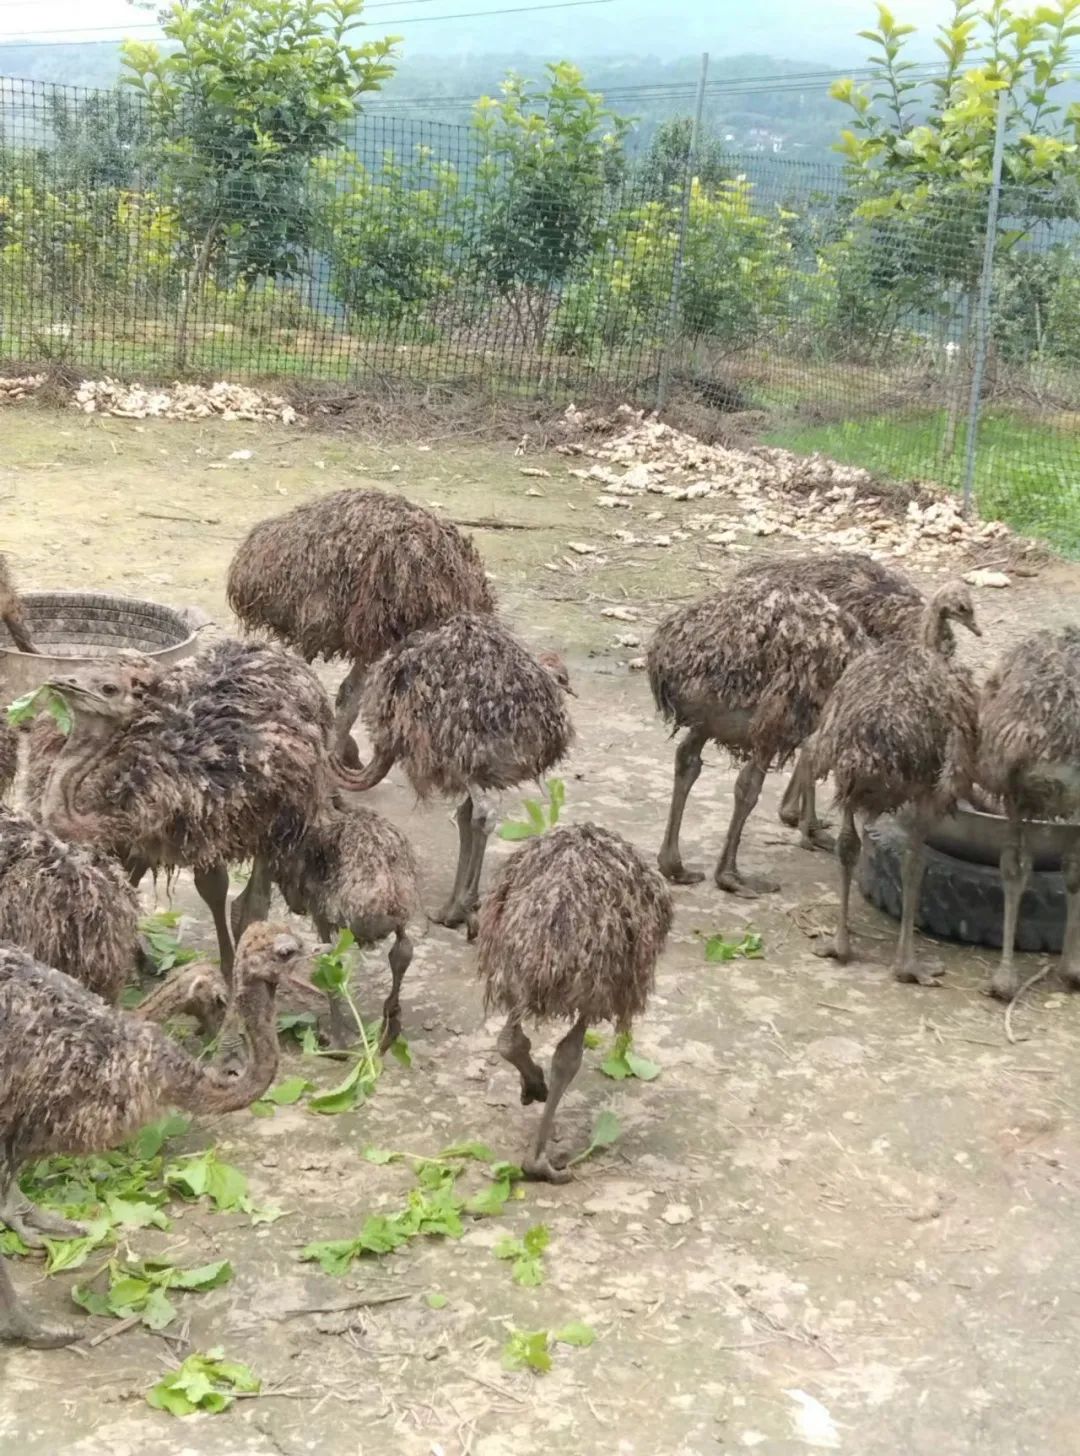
<point>68,906</point>
<point>751,668</point>
<point>77,1076</point>
<point>349,576</point>
<point>9,754</point>
<point>899,733</point>
<point>11,611</point>
<point>466,709</point>
<point>354,870</point>
<point>1029,759</point>
<point>571,930</point>
<point>887,605</point>
<point>200,765</point>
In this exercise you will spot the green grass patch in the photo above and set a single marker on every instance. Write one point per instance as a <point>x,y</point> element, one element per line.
<point>1026,474</point>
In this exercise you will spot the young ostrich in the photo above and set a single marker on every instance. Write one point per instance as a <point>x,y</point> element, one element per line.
<point>350,576</point>
<point>201,765</point>
<point>67,905</point>
<point>751,668</point>
<point>77,1077</point>
<point>1029,759</point>
<point>11,612</point>
<point>571,930</point>
<point>467,710</point>
<point>354,870</point>
<point>899,733</point>
<point>887,605</point>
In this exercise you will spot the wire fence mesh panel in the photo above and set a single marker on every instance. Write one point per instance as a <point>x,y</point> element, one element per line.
<point>820,315</point>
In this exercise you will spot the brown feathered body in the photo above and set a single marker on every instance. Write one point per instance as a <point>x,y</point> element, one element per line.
<point>78,1076</point>
<point>465,704</point>
<point>752,665</point>
<point>353,573</point>
<point>11,611</point>
<point>351,867</point>
<point>1029,727</point>
<point>887,605</point>
<point>900,728</point>
<point>68,906</point>
<point>9,755</point>
<point>572,927</point>
<point>228,749</point>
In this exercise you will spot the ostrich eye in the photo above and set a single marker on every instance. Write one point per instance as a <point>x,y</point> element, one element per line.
<point>109,690</point>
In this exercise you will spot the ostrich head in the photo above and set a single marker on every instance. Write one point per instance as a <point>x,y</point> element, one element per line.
<point>555,668</point>
<point>265,952</point>
<point>110,694</point>
<point>953,600</point>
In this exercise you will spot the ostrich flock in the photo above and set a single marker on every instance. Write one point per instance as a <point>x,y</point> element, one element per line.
<point>237,755</point>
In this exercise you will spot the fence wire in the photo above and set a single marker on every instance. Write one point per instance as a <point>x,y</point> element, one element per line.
<point>417,251</point>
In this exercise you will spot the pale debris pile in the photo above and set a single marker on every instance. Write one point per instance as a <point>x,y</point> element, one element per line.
<point>806,498</point>
<point>182,402</point>
<point>19,386</point>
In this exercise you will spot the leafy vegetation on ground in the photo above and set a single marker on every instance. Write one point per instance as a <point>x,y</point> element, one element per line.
<point>207,1382</point>
<point>623,1061</point>
<point>748,946</point>
<point>139,1287</point>
<point>527,1254</point>
<point>160,934</point>
<point>531,1349</point>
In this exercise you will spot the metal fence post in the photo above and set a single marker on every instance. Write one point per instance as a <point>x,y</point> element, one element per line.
<point>982,307</point>
<point>663,378</point>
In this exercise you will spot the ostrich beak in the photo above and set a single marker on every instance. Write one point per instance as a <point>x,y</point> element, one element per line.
<point>974,628</point>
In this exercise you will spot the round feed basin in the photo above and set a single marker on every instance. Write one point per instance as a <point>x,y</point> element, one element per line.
<point>71,629</point>
<point>979,837</point>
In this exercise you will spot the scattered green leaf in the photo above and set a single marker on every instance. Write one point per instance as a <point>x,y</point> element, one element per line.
<point>436,1301</point>
<point>527,1254</point>
<point>605,1132</point>
<point>163,946</point>
<point>283,1095</point>
<point>749,947</point>
<point>203,1382</point>
<point>44,698</point>
<point>204,1175</point>
<point>539,818</point>
<point>138,1288</point>
<point>527,1350</point>
<point>622,1061</point>
<point>575,1333</point>
<point>592,1039</point>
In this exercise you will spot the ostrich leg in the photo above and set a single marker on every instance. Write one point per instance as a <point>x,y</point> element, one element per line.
<point>253,902</point>
<point>906,967</point>
<point>514,1047</point>
<point>401,954</point>
<point>1015,869</point>
<point>26,1219</point>
<point>342,1030</point>
<point>347,706</point>
<point>847,853</point>
<point>728,876</point>
<point>17,1325</point>
<point>564,1068</point>
<point>213,887</point>
<point>687,769</point>
<point>799,807</point>
<point>463,817</point>
<point>1070,946</point>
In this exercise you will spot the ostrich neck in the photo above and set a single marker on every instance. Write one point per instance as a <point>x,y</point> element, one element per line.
<point>83,750</point>
<point>935,628</point>
<point>208,1090</point>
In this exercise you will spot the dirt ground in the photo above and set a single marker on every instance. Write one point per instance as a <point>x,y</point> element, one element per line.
<point>839,1190</point>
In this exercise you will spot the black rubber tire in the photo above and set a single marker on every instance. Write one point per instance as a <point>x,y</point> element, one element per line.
<point>960,900</point>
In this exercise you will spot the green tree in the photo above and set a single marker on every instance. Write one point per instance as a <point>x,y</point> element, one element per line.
<point>551,157</point>
<point>919,154</point>
<point>252,92</point>
<point>664,166</point>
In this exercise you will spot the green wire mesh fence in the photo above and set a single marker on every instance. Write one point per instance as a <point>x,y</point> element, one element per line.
<point>824,319</point>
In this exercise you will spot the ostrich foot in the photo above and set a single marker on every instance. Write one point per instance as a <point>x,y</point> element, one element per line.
<point>454,914</point>
<point>673,869</point>
<point>546,1169</point>
<point>910,973</point>
<point>817,837</point>
<point>1003,985</point>
<point>29,1221</point>
<point>749,887</point>
<point>17,1328</point>
<point>390,1033</point>
<point>832,950</point>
